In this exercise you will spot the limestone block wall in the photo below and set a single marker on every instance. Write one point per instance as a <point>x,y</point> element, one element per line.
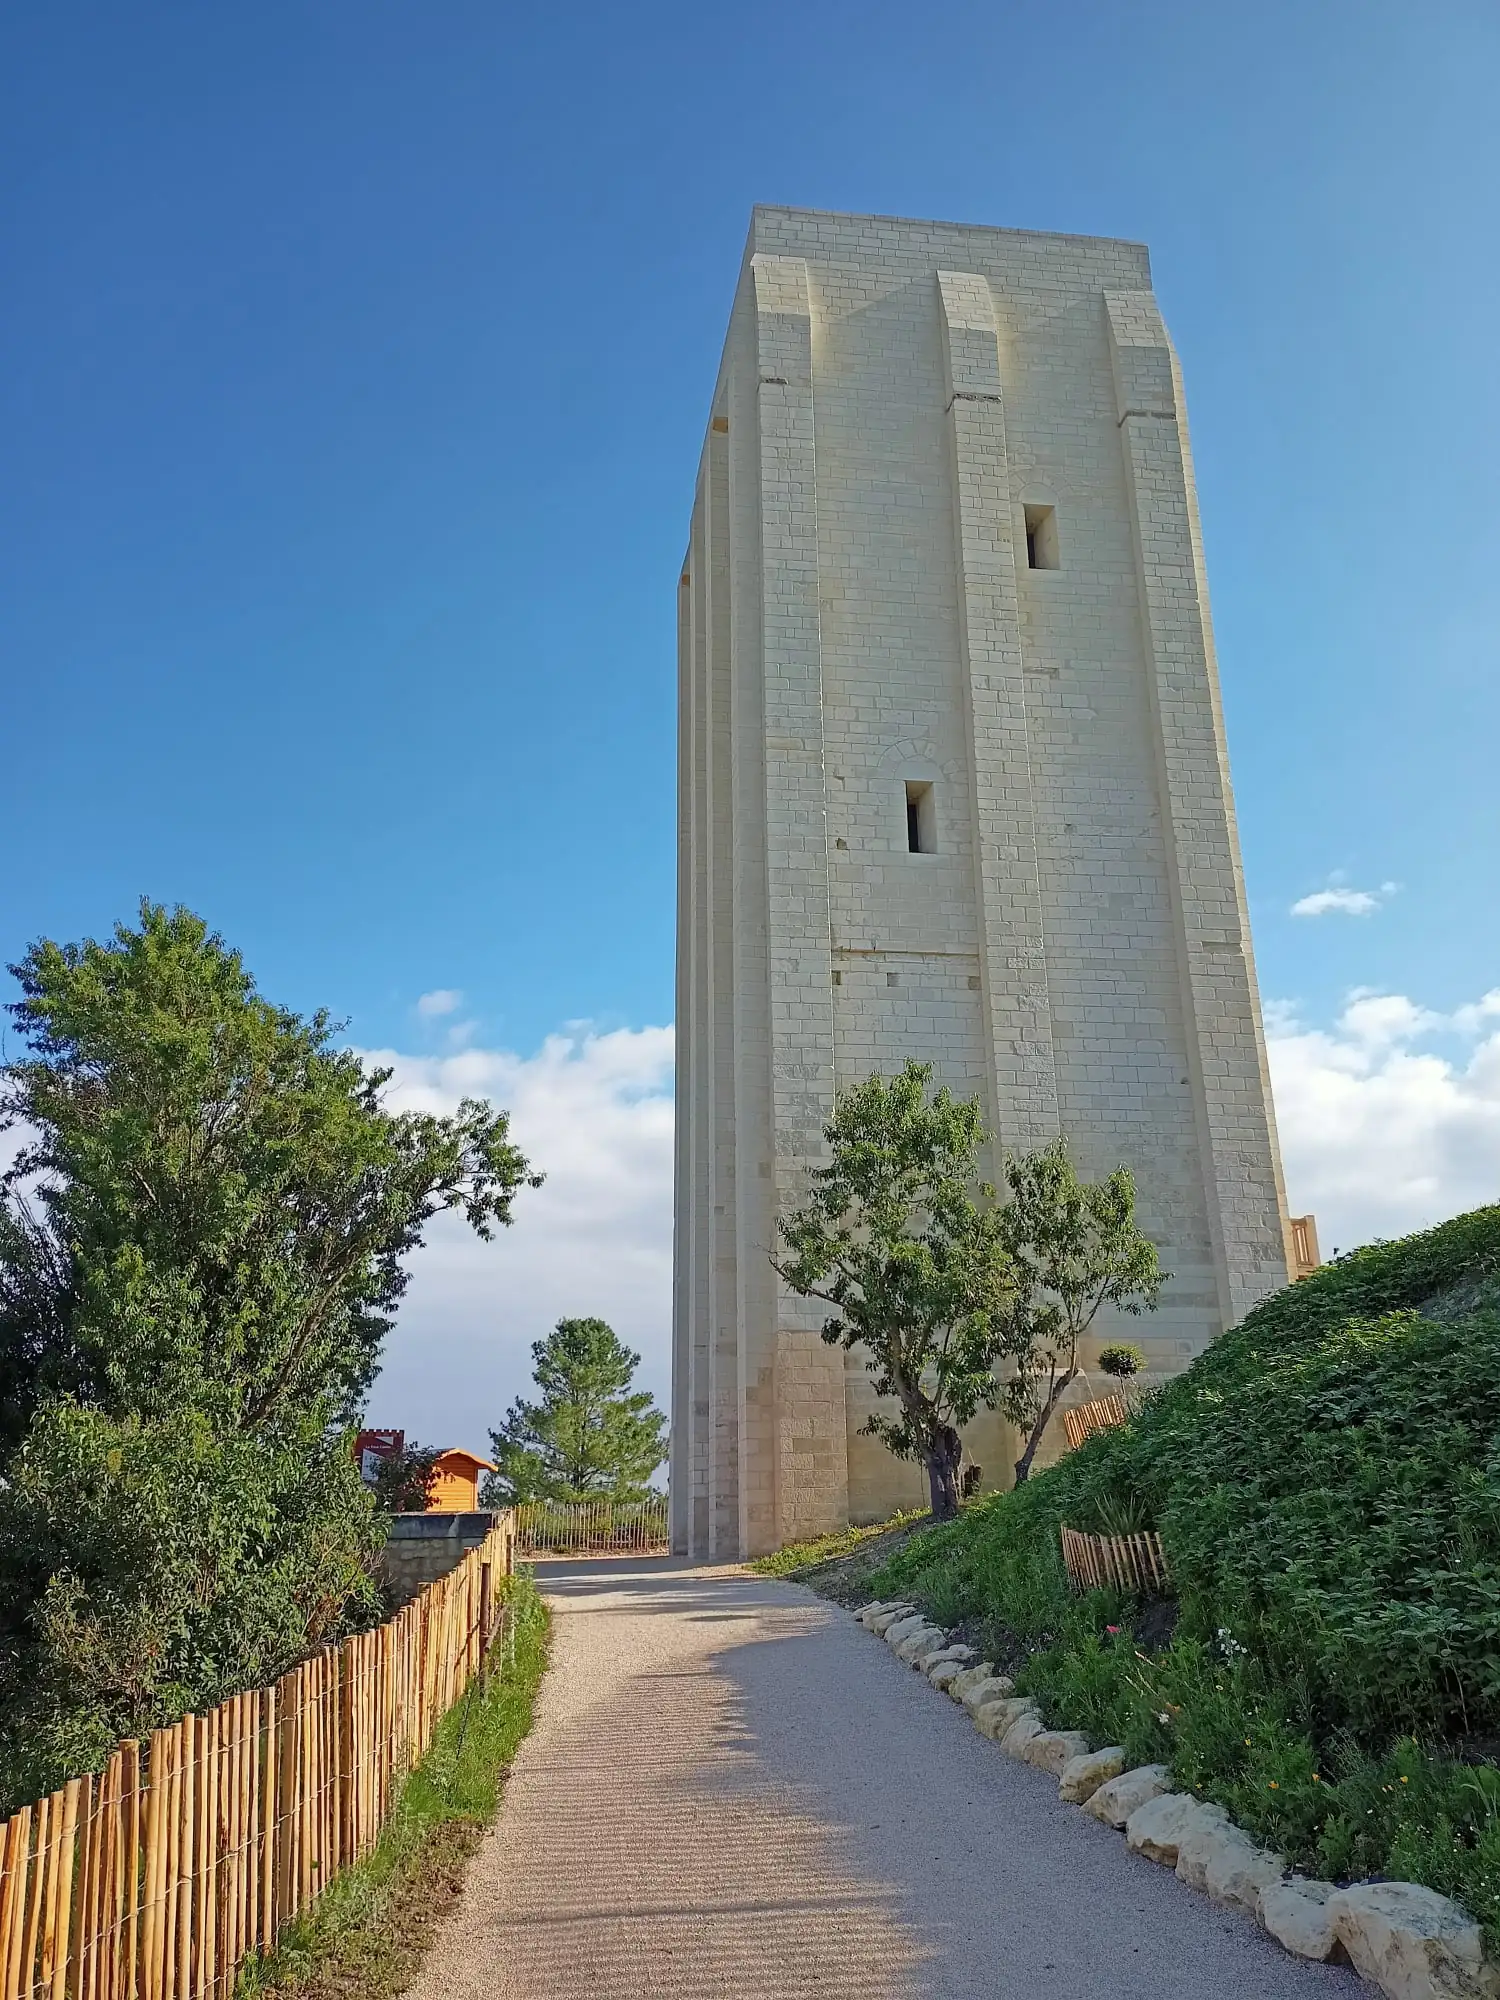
<point>945,538</point>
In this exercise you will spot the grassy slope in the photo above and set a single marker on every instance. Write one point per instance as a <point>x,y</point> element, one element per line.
<point>1326,1479</point>
<point>365,1938</point>
<point>840,1565</point>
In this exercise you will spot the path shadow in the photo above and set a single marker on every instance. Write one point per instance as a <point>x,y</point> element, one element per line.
<point>819,1820</point>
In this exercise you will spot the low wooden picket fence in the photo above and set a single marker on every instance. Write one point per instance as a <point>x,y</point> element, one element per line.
<point>1115,1562</point>
<point>592,1527</point>
<point>158,1877</point>
<point>1086,1420</point>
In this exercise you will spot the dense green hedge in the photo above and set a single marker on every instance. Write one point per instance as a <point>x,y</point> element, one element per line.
<point>1326,1480</point>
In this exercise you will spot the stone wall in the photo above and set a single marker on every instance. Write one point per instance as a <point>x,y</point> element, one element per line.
<point>423,1547</point>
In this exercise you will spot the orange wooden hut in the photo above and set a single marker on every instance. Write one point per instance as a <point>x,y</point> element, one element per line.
<point>455,1482</point>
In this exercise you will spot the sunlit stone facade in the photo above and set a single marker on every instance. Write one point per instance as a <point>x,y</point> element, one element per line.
<point>953,785</point>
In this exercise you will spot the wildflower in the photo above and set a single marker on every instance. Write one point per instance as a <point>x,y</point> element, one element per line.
<point>1164,1718</point>
<point>1315,1778</point>
<point>1113,1631</point>
<point>1274,1786</point>
<point>1406,1781</point>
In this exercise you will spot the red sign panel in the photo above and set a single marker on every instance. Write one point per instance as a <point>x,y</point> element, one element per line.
<point>370,1447</point>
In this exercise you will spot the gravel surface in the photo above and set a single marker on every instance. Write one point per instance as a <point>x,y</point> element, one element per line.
<point>732,1789</point>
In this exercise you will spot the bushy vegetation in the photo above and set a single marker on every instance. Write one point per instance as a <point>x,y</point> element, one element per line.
<point>203,1238</point>
<point>1326,1482</point>
<point>793,1558</point>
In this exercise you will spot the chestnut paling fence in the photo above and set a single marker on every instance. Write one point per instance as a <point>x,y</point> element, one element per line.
<point>1118,1562</point>
<point>592,1527</point>
<point>1086,1420</point>
<point>156,1878</point>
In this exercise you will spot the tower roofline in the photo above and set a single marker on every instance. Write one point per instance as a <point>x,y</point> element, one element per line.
<point>761,208</point>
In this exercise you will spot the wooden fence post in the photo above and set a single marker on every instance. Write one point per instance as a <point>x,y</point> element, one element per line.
<point>31,1942</point>
<point>127,1977</point>
<point>60,1905</point>
<point>13,1905</point>
<point>484,1625</point>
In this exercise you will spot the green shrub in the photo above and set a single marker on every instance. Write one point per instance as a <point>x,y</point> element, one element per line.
<point>1326,1481</point>
<point>1122,1359</point>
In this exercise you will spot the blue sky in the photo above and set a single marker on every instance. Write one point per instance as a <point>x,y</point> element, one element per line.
<point>353,370</point>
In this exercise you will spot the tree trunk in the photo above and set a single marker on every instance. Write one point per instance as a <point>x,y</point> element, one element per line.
<point>1059,1389</point>
<point>944,1454</point>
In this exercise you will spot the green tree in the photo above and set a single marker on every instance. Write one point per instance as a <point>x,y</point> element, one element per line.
<point>202,1241</point>
<point>902,1240</point>
<point>404,1481</point>
<point>1122,1360</point>
<point>1075,1247</point>
<point>589,1435</point>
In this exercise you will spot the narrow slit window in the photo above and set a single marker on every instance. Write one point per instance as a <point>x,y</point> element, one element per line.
<point>1041,538</point>
<point>921,825</point>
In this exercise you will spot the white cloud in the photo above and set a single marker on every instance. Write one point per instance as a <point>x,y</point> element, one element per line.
<point>1382,1133</point>
<point>1352,902</point>
<point>594,1113</point>
<point>1389,1121</point>
<point>442,1000</point>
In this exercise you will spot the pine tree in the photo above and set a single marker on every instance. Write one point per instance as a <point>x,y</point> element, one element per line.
<point>589,1435</point>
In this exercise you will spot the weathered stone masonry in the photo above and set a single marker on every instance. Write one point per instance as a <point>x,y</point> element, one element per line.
<point>908,418</point>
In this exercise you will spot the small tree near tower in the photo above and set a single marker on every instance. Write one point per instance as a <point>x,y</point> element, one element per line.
<point>1075,1247</point>
<point>904,1243</point>
<point>941,1283</point>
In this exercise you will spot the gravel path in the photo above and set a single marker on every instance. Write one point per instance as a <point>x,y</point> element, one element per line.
<point>732,1790</point>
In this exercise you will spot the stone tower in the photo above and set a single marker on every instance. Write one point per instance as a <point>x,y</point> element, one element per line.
<point>953,786</point>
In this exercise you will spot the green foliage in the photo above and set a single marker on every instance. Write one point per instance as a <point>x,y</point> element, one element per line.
<point>940,1285</point>
<point>201,1244</point>
<point>223,1206</point>
<point>153,1564</point>
<point>905,1246</point>
<point>404,1479</point>
<point>1121,1359</point>
<point>1326,1481</point>
<point>590,1435</point>
<point>795,1556</point>
<point>1076,1248</point>
<point>1119,1514</point>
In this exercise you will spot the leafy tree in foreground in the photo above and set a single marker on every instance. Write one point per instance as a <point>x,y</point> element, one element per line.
<point>907,1246</point>
<point>1075,1247</point>
<point>201,1246</point>
<point>590,1435</point>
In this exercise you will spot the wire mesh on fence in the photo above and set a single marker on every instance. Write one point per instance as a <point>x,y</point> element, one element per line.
<point>158,1877</point>
<point>591,1527</point>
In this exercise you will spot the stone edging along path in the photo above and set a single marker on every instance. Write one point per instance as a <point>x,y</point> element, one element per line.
<point>1411,1942</point>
